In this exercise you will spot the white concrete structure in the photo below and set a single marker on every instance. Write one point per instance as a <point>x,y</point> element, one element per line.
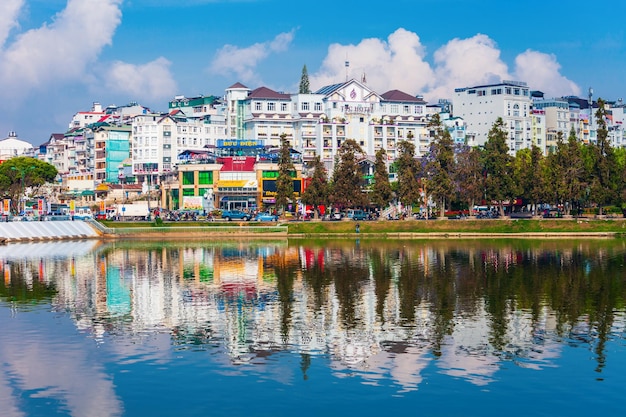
<point>482,105</point>
<point>12,146</point>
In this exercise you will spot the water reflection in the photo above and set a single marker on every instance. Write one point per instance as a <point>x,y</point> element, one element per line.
<point>381,310</point>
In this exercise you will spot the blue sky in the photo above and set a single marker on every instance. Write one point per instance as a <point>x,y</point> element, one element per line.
<point>57,57</point>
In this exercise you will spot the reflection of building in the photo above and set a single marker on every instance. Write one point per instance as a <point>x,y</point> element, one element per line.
<point>253,299</point>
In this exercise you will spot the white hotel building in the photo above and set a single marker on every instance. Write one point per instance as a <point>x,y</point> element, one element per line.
<point>480,107</point>
<point>319,123</point>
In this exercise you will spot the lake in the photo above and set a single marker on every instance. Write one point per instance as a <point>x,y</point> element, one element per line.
<point>308,328</point>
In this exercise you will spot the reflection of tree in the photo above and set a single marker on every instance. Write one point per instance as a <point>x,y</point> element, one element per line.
<point>285,277</point>
<point>18,290</point>
<point>318,281</point>
<point>442,299</point>
<point>348,275</point>
<point>381,271</point>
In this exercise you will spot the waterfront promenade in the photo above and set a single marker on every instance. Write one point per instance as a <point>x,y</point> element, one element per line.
<point>382,229</point>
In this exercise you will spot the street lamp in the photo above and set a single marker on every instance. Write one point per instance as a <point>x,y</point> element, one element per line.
<point>23,171</point>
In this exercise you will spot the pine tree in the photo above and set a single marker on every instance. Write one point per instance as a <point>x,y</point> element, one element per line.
<point>316,193</point>
<point>604,178</point>
<point>381,190</point>
<point>347,181</point>
<point>440,165</point>
<point>408,174</point>
<point>284,182</point>
<point>304,82</point>
<point>499,185</point>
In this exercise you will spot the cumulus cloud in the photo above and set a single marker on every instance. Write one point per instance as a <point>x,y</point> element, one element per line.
<point>9,10</point>
<point>467,62</point>
<point>401,62</point>
<point>151,81</point>
<point>541,72</point>
<point>242,62</point>
<point>397,63</point>
<point>62,50</point>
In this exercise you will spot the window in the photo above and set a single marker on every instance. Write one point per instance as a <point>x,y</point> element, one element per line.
<point>318,106</point>
<point>205,177</point>
<point>406,109</point>
<point>394,108</point>
<point>283,106</point>
<point>258,106</point>
<point>188,178</point>
<point>305,106</point>
<point>271,106</point>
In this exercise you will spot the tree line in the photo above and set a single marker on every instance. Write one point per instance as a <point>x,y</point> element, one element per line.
<point>573,176</point>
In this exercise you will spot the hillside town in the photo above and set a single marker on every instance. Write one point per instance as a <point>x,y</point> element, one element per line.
<point>222,152</point>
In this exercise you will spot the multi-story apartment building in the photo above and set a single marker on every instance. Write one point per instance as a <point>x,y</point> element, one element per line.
<point>112,147</point>
<point>480,106</point>
<point>557,119</point>
<point>157,139</point>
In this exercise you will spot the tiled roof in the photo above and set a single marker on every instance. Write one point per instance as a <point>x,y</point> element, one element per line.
<point>237,85</point>
<point>397,95</point>
<point>264,92</point>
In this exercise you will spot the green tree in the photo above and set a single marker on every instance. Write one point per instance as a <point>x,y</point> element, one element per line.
<point>284,182</point>
<point>440,165</point>
<point>499,185</point>
<point>408,188</point>
<point>381,190</point>
<point>347,182</point>
<point>604,176</point>
<point>304,82</point>
<point>23,176</point>
<point>316,193</point>
<point>468,176</point>
<point>572,184</point>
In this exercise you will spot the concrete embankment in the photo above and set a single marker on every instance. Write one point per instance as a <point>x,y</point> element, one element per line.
<point>25,231</point>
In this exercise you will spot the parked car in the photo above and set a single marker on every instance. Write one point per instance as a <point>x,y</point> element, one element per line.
<point>357,215</point>
<point>265,217</point>
<point>229,215</point>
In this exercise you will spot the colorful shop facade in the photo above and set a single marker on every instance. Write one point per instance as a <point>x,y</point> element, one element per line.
<point>235,174</point>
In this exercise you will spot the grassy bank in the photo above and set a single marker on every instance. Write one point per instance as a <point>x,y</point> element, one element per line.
<point>464,226</point>
<point>504,226</point>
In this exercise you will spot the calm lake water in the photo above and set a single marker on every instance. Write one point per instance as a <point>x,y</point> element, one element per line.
<point>299,328</point>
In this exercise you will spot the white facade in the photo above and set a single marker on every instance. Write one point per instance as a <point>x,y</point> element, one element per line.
<point>481,106</point>
<point>12,146</point>
<point>319,123</point>
<point>157,140</point>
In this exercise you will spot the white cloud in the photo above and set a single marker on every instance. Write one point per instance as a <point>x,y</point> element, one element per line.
<point>152,81</point>
<point>541,72</point>
<point>401,63</point>
<point>467,62</point>
<point>397,63</point>
<point>62,50</point>
<point>242,62</point>
<point>9,10</point>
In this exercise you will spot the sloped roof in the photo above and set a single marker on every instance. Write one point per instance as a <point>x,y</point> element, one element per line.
<point>264,92</point>
<point>237,85</point>
<point>328,89</point>
<point>400,96</point>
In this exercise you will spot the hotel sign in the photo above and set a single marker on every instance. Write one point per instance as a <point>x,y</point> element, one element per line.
<point>357,109</point>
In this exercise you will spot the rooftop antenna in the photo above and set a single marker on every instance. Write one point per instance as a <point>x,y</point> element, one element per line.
<point>590,107</point>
